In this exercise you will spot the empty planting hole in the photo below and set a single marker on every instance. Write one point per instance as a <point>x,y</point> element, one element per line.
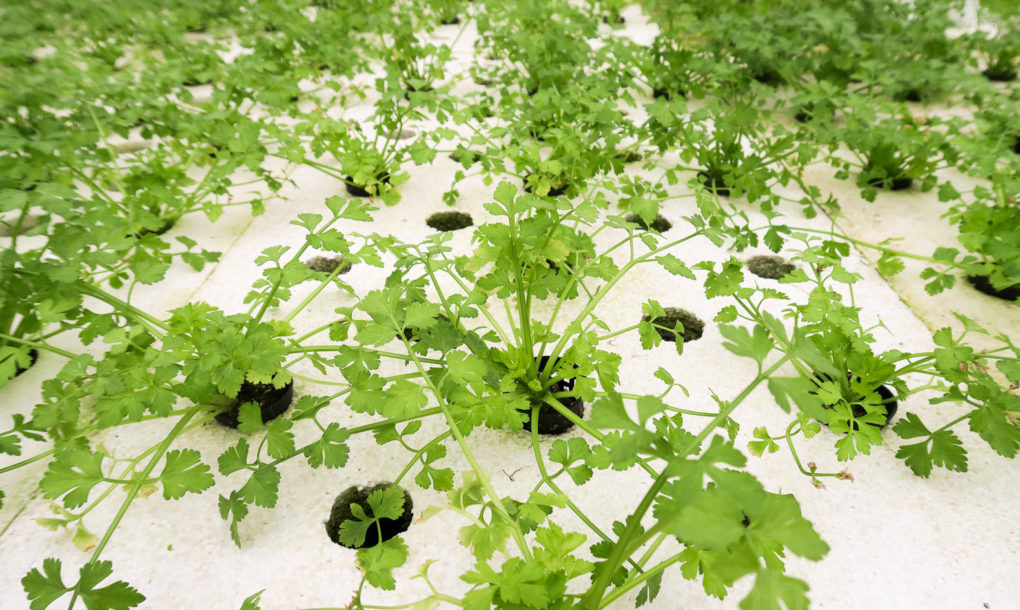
<point>770,266</point>
<point>449,221</point>
<point>328,264</point>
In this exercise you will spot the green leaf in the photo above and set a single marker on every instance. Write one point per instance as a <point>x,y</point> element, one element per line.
<point>710,520</point>
<point>44,588</point>
<point>236,509</point>
<point>505,194</point>
<point>991,424</point>
<point>403,399</point>
<point>610,413</point>
<point>650,591</point>
<point>308,221</point>
<point>184,472</point>
<point>947,192</point>
<point>420,152</point>
<point>517,582</point>
<point>379,561</point>
<point>421,315</point>
<point>779,523</point>
<point>234,458</point>
<point>726,314</point>
<point>648,407</point>
<point>911,426</point>
<point>375,334</point>
<point>773,238</point>
<point>726,281</point>
<point>387,503</point>
<point>662,374</point>
<point>675,266</point>
<point>262,487</point>
<point>568,452</point>
<point>74,473</point>
<point>249,418</point>
<point>465,369</point>
<point>484,541</point>
<point>252,601</point>
<point>556,548</point>
<point>889,264</point>
<point>763,443</point>
<point>117,596</point>
<point>330,449</point>
<point>743,343</point>
<point>353,531</point>
<point>1010,368</point>
<point>350,208</point>
<point>943,449</point>
<point>772,587</point>
<point>917,458</point>
<point>649,336</point>
<point>279,438</point>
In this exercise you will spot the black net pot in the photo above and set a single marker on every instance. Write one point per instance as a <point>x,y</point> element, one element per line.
<point>554,191</point>
<point>982,283</point>
<point>888,399</point>
<point>272,402</point>
<point>551,421</point>
<point>341,512</point>
<point>360,191</point>
<point>715,183</point>
<point>33,357</point>
<point>894,184</point>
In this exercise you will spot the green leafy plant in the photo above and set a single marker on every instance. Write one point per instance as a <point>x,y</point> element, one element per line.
<point>107,141</point>
<point>891,151</point>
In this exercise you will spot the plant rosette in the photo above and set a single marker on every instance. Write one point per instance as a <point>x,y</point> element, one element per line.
<point>891,152</point>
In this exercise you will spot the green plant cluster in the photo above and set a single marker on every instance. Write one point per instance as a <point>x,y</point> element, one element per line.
<point>123,124</point>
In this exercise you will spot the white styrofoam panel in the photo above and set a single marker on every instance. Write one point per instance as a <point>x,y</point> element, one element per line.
<point>897,541</point>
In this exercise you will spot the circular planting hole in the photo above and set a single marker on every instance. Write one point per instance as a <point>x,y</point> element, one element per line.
<point>342,513</point>
<point>909,95</point>
<point>163,228</point>
<point>982,283</point>
<point>893,184</point>
<point>449,221</point>
<point>551,421</point>
<point>557,188</point>
<point>693,326</point>
<point>328,264</point>
<point>629,156</point>
<point>767,76</point>
<point>887,396</point>
<point>660,224</point>
<point>272,401</point>
<point>668,93</point>
<point>770,266</point>
<point>714,182</point>
<point>358,190</point>
<point>22,364</point>
<point>1000,74</point>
